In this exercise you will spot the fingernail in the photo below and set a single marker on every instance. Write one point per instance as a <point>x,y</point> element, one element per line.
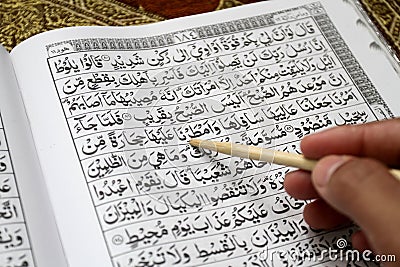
<point>326,167</point>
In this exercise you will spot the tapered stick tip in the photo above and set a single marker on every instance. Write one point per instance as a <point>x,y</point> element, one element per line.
<point>195,142</point>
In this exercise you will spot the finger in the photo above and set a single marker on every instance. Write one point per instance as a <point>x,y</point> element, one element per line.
<point>377,140</point>
<point>364,191</point>
<point>298,184</point>
<point>319,215</point>
<point>359,241</point>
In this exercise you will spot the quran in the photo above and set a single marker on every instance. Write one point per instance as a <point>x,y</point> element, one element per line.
<point>95,163</point>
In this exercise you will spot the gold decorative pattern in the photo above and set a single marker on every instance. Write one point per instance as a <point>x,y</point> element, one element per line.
<point>386,15</point>
<point>228,3</point>
<point>21,19</point>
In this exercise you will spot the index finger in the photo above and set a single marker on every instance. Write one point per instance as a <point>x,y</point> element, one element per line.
<point>379,140</point>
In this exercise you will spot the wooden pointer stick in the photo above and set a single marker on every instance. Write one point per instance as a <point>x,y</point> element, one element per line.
<point>264,154</point>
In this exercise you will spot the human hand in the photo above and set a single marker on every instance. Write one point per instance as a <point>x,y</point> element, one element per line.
<point>351,182</point>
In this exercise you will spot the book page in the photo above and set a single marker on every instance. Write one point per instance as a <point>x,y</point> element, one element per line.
<point>113,110</point>
<point>28,234</point>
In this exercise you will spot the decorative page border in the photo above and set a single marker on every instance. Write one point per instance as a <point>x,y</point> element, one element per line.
<point>315,10</point>
<point>350,63</point>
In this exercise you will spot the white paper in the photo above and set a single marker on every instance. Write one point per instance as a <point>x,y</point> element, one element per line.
<point>112,126</point>
<point>28,232</point>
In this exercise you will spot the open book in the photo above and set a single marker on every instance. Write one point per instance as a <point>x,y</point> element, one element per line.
<point>95,165</point>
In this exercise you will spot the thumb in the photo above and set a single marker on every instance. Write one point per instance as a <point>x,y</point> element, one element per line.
<point>365,191</point>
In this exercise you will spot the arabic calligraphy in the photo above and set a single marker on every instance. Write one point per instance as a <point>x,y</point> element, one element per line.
<point>15,248</point>
<point>131,113</point>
